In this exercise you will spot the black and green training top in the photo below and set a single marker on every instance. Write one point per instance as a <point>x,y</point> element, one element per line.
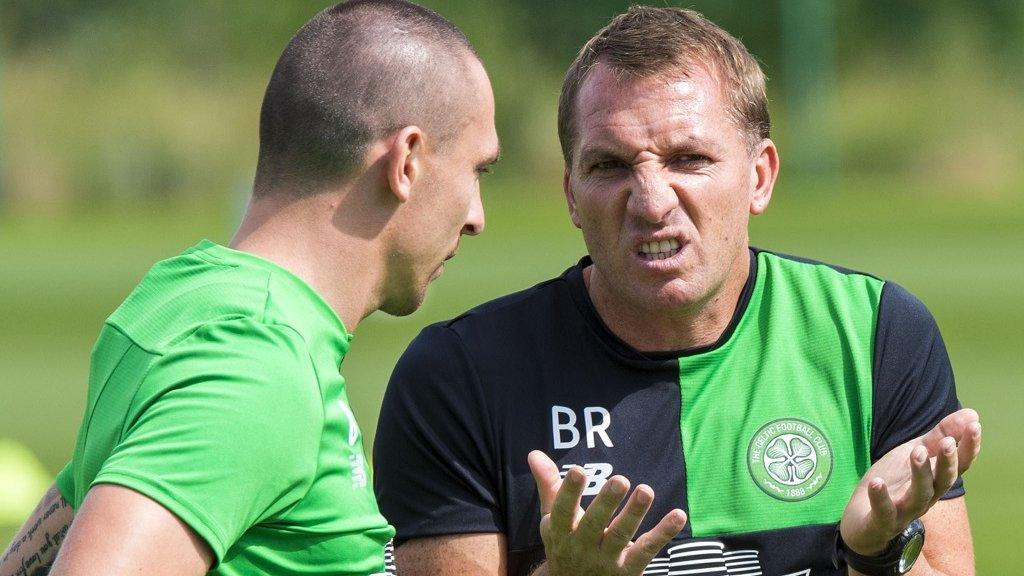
<point>760,437</point>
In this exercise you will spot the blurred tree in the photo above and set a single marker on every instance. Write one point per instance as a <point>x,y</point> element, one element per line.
<point>112,101</point>
<point>808,33</point>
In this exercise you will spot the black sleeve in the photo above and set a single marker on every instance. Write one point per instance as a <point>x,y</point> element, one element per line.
<point>435,469</point>
<point>913,380</point>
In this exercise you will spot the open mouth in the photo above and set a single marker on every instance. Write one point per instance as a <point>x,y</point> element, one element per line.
<point>659,249</point>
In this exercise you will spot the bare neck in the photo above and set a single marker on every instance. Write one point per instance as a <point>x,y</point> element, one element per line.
<point>661,330</point>
<point>304,236</point>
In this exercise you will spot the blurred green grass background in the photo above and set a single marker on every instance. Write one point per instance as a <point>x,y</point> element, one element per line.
<point>961,256</point>
<point>128,132</point>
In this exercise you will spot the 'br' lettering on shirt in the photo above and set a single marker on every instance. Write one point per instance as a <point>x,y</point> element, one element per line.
<point>565,434</point>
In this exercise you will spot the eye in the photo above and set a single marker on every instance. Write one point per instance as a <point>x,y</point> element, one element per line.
<point>608,165</point>
<point>690,161</point>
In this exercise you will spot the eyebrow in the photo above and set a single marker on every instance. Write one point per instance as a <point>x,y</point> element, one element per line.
<point>598,152</point>
<point>689,143</point>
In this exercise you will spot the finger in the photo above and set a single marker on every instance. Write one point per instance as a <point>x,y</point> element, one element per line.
<point>545,474</point>
<point>624,526</point>
<point>599,513</point>
<point>968,448</point>
<point>883,509</point>
<point>945,468</point>
<point>545,529</point>
<point>956,425</point>
<point>915,501</point>
<point>878,525</point>
<point>647,546</point>
<point>567,501</point>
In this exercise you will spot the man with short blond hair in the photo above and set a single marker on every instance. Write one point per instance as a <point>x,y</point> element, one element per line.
<point>768,406</point>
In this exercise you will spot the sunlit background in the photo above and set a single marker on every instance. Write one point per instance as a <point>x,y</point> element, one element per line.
<point>128,131</point>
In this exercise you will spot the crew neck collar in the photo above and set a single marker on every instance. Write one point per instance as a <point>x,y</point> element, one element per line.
<point>578,289</point>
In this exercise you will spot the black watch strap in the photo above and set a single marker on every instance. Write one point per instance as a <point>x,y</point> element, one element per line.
<point>897,558</point>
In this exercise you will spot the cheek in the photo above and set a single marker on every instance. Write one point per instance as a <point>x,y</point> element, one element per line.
<point>722,212</point>
<point>601,210</point>
<point>600,231</point>
<point>451,200</point>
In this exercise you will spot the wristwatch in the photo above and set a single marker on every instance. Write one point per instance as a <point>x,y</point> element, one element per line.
<point>897,558</point>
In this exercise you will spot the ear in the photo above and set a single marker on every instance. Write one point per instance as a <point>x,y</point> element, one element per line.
<point>763,175</point>
<point>404,161</point>
<point>570,198</point>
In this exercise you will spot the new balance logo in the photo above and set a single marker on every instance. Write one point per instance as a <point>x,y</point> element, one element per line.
<point>710,558</point>
<point>597,474</point>
<point>357,466</point>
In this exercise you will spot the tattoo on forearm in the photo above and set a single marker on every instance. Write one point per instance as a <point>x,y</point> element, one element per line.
<point>34,549</point>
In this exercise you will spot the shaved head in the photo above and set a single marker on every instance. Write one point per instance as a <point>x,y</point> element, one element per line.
<point>353,74</point>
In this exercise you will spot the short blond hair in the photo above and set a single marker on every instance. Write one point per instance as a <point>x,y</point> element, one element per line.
<point>647,40</point>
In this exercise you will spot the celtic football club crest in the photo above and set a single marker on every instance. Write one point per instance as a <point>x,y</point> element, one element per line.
<point>790,459</point>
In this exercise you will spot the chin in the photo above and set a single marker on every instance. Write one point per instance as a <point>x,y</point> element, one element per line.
<point>404,305</point>
<point>671,295</point>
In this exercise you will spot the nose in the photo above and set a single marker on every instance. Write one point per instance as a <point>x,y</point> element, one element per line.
<point>651,196</point>
<point>475,218</point>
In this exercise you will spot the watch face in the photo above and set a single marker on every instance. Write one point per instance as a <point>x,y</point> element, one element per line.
<point>910,552</point>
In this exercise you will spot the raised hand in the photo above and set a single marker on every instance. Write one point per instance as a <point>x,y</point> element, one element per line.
<point>906,482</point>
<point>593,542</point>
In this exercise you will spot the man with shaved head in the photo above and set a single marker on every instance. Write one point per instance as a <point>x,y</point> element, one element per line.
<point>778,416</point>
<point>218,436</point>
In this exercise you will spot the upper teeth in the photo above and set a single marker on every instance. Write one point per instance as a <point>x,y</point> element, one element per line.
<point>659,247</point>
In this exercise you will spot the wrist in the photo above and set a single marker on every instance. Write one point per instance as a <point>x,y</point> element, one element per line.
<point>866,544</point>
<point>896,557</point>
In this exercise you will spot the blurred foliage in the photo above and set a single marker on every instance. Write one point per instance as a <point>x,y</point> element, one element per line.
<point>156,103</point>
<point>129,129</point>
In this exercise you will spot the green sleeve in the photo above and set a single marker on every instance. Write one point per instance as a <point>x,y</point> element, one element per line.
<point>66,483</point>
<point>225,429</point>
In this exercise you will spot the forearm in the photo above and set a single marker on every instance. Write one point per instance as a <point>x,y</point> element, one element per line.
<point>35,547</point>
<point>923,568</point>
<point>454,554</point>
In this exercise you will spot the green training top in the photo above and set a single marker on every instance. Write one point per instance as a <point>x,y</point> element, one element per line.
<point>215,390</point>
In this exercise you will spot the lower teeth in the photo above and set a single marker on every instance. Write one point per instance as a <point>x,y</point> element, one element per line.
<point>658,256</point>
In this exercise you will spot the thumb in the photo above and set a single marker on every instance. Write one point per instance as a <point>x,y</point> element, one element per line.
<point>545,474</point>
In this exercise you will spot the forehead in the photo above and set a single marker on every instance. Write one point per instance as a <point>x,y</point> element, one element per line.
<point>653,110</point>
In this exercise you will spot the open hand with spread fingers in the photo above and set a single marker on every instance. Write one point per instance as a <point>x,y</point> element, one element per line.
<point>593,542</point>
<point>907,481</point>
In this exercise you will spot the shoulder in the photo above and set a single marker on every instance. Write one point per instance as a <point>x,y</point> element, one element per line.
<point>540,295</point>
<point>817,289</point>
<point>180,295</point>
<point>509,315</point>
<point>246,344</point>
<point>498,329</point>
<point>893,300</point>
<point>797,267</point>
<point>246,336</point>
<point>451,353</point>
<point>255,364</point>
<point>902,310</point>
<point>906,337</point>
<point>914,385</point>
